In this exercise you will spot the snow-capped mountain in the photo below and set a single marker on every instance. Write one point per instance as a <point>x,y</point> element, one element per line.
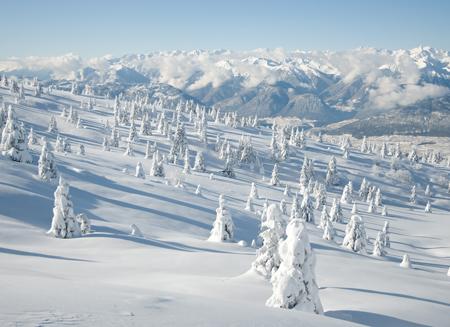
<point>320,85</point>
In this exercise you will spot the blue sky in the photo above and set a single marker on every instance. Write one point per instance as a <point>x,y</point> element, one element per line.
<point>93,28</point>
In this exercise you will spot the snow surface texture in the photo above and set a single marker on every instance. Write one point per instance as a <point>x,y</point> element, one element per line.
<point>171,275</point>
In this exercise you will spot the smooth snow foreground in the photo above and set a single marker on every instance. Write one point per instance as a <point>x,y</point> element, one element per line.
<point>167,273</point>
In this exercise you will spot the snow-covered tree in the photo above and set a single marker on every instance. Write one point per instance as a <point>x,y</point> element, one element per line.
<point>32,140</point>
<point>413,196</point>
<point>406,262</point>
<point>283,207</point>
<point>85,223</point>
<point>187,165</point>
<point>114,142</point>
<point>46,165</point>
<point>355,235</point>
<point>371,207</point>
<point>105,144</point>
<point>328,231</point>
<point>364,189</point>
<point>306,208</point>
<point>346,197</point>
<point>52,126</point>
<point>13,142</point>
<point>253,191</point>
<point>386,235</point>
<point>67,145</point>
<point>157,166</point>
<point>378,198</point>
<point>321,197</point>
<point>64,224</point>
<point>140,173</point>
<point>223,227</point>
<point>275,180</point>
<point>384,211</point>
<point>428,191</point>
<point>249,205</point>
<point>364,148</point>
<point>294,283</point>
<point>378,246</point>
<point>295,208</point>
<point>199,164</point>
<point>179,143</point>
<point>324,217</point>
<point>336,212</point>
<point>267,258</point>
<point>228,170</point>
<point>354,208</point>
<point>332,177</point>
<point>287,190</point>
<point>129,151</point>
<point>428,207</point>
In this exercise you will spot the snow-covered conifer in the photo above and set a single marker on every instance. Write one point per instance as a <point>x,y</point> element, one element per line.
<point>228,170</point>
<point>105,144</point>
<point>413,196</point>
<point>114,141</point>
<point>428,191</point>
<point>354,208</point>
<point>267,258</point>
<point>140,173</point>
<point>306,208</point>
<point>85,223</point>
<point>223,227</point>
<point>324,217</point>
<point>386,235</point>
<point>336,212</point>
<point>64,224</point>
<point>275,180</point>
<point>355,235</point>
<point>129,151</point>
<point>249,205</point>
<point>52,126</point>
<point>287,190</point>
<point>32,140</point>
<point>332,177</point>
<point>253,191</point>
<point>283,207</point>
<point>428,207</point>
<point>371,207</point>
<point>199,164</point>
<point>378,246</point>
<point>406,262</point>
<point>364,189</point>
<point>81,150</point>
<point>46,165</point>
<point>187,165</point>
<point>157,166</point>
<point>346,198</point>
<point>294,283</point>
<point>378,198</point>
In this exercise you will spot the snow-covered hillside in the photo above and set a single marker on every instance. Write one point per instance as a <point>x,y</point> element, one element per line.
<point>173,276</point>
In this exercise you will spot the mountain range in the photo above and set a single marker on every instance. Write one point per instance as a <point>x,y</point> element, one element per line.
<point>372,90</point>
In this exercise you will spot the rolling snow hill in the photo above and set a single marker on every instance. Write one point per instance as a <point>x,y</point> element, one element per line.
<point>172,276</point>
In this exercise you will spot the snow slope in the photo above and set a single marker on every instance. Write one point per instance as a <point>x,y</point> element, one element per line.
<point>172,276</point>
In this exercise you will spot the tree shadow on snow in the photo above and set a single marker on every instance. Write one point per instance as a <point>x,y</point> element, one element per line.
<point>40,255</point>
<point>370,318</point>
